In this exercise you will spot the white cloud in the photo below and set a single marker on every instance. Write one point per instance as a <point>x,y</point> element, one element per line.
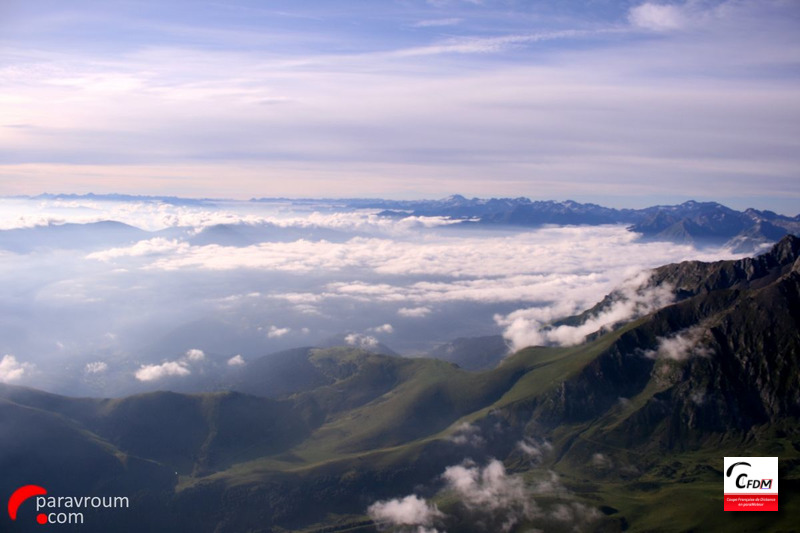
<point>528,327</point>
<point>365,342</point>
<point>236,360</point>
<point>491,489</point>
<point>156,372</point>
<point>276,332</point>
<point>409,511</point>
<point>195,355</point>
<point>416,118</point>
<point>435,23</point>
<point>385,328</point>
<point>486,45</point>
<point>13,370</point>
<point>467,434</point>
<point>414,312</point>
<point>535,450</point>
<point>150,247</point>
<point>542,265</point>
<point>97,367</point>
<point>352,284</point>
<point>681,346</point>
<point>657,17</point>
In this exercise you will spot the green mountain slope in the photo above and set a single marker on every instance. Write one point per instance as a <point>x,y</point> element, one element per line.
<point>626,431</point>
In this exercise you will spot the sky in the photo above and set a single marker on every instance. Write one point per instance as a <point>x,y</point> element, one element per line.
<point>624,103</point>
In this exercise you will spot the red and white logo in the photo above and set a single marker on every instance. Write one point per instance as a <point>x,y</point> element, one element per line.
<point>61,510</point>
<point>751,483</point>
<point>20,495</point>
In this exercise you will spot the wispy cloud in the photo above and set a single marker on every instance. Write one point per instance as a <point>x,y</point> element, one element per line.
<point>96,367</point>
<point>436,23</point>
<point>528,327</point>
<point>625,106</point>
<point>658,17</point>
<point>414,312</point>
<point>467,434</point>
<point>486,45</point>
<point>681,346</point>
<point>491,489</point>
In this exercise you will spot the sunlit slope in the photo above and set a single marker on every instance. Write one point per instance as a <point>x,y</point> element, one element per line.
<point>631,423</point>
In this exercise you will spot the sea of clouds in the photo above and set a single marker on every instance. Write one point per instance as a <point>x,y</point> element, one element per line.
<point>95,308</point>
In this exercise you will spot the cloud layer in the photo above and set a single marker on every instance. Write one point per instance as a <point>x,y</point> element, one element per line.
<point>188,294</point>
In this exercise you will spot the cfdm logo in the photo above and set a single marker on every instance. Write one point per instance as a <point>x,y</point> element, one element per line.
<point>61,509</point>
<point>751,483</point>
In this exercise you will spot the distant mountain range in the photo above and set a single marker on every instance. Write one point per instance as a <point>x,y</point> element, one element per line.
<point>624,432</point>
<point>694,222</point>
<point>701,223</point>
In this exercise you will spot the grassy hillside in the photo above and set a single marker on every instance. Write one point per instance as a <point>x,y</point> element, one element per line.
<point>626,431</point>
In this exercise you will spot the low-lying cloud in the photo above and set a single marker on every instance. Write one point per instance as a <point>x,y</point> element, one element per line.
<point>529,327</point>
<point>179,368</point>
<point>365,342</point>
<point>535,450</point>
<point>408,511</point>
<point>491,489</point>
<point>467,434</point>
<point>276,276</point>
<point>681,346</point>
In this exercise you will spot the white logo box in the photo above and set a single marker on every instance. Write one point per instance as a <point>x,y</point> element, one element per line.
<point>751,475</point>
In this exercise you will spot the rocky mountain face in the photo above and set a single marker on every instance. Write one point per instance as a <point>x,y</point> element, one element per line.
<point>724,358</point>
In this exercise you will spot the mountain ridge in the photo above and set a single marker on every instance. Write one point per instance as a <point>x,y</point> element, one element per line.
<point>626,422</point>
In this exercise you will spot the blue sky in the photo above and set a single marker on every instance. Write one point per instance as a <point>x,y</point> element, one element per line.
<point>622,103</point>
